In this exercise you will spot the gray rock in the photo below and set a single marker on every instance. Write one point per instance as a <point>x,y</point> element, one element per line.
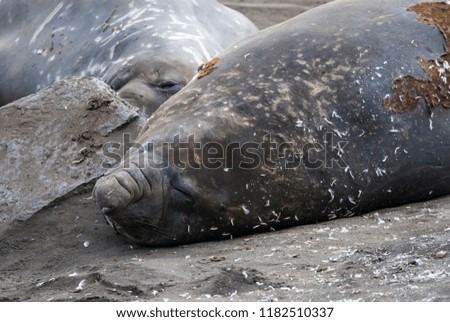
<point>51,142</point>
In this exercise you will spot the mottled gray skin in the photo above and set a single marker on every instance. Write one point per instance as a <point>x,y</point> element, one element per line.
<point>145,50</point>
<point>295,81</point>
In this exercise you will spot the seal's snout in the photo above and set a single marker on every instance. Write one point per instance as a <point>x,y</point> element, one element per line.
<point>133,202</point>
<point>116,191</point>
<point>112,194</point>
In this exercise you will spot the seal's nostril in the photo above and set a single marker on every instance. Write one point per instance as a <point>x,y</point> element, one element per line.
<point>108,211</point>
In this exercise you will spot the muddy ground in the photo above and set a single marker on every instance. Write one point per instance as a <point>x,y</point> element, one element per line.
<point>66,252</point>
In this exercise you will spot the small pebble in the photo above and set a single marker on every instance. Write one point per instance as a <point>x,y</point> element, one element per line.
<point>441,254</point>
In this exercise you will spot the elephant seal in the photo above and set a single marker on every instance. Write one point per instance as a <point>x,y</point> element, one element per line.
<point>145,50</point>
<point>302,123</point>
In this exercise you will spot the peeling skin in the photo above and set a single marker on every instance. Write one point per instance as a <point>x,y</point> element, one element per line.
<point>435,91</point>
<point>207,68</point>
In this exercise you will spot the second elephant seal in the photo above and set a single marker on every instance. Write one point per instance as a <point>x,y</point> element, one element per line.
<point>145,50</point>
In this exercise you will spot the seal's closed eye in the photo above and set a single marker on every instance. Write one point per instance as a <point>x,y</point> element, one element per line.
<point>170,87</point>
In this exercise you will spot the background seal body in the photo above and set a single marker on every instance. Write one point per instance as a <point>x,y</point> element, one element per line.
<point>145,50</point>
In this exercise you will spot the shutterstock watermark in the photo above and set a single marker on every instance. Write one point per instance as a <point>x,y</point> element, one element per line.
<point>194,154</point>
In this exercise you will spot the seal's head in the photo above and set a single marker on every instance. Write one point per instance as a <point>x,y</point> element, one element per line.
<point>147,81</point>
<point>162,202</point>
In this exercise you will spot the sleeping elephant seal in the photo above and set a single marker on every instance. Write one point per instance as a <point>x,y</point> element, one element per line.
<point>145,50</point>
<point>302,123</point>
